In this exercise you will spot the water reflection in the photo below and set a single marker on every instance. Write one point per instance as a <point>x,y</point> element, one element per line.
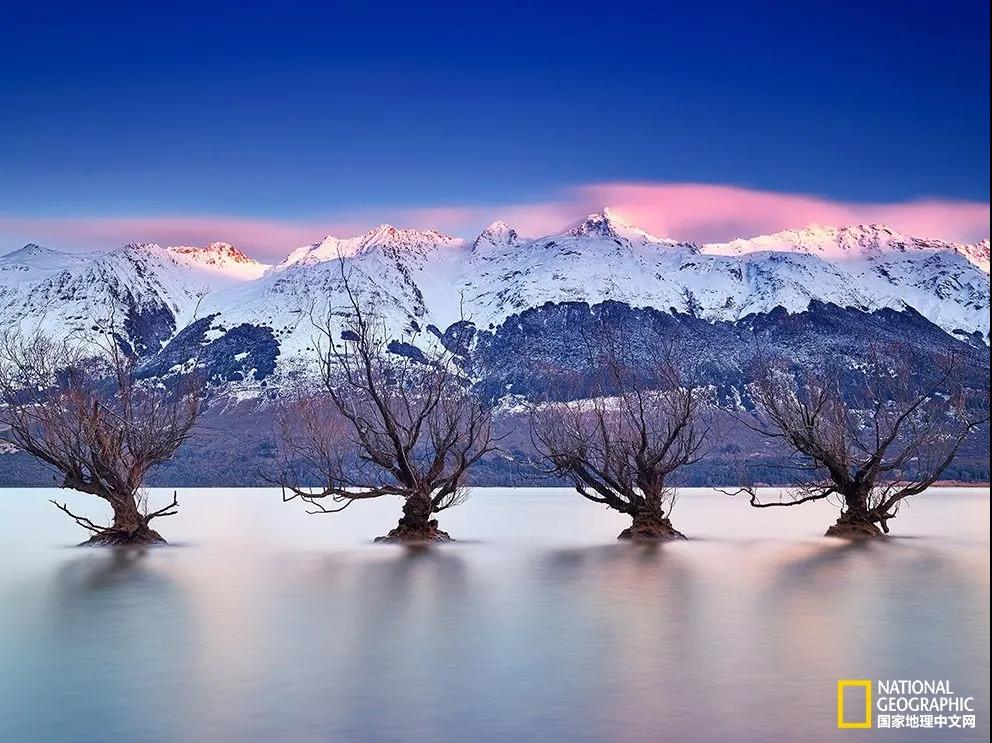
<point>634,608</point>
<point>95,635</point>
<point>298,629</point>
<point>95,570</point>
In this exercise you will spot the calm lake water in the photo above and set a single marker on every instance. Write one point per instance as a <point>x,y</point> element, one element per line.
<point>264,624</point>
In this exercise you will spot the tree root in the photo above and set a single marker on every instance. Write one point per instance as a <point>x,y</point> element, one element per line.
<point>405,533</point>
<point>132,533</point>
<point>654,530</point>
<point>125,538</point>
<point>846,528</point>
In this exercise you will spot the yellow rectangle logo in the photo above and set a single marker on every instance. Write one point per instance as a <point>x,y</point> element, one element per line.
<point>853,683</point>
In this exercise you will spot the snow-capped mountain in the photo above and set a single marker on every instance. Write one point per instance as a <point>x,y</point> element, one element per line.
<point>496,236</point>
<point>854,242</point>
<point>398,244</point>
<point>406,275</point>
<point>221,260</point>
<point>609,225</point>
<point>418,279</point>
<point>147,290</point>
<point>601,258</point>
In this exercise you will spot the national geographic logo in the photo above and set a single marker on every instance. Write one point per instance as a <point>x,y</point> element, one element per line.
<point>860,715</point>
<point>902,703</point>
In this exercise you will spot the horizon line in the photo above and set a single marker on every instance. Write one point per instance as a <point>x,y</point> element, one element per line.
<point>702,214</point>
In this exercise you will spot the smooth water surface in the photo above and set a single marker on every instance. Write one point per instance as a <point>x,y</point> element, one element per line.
<point>261,623</point>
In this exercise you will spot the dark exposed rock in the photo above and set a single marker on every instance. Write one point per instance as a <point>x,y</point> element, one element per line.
<point>543,352</point>
<point>242,352</point>
<point>402,348</point>
<point>148,327</point>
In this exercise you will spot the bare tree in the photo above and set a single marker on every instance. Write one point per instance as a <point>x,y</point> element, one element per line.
<point>623,446</point>
<point>87,415</point>
<point>867,438</point>
<point>382,424</point>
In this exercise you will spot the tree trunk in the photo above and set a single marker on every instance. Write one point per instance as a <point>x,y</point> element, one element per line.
<point>650,525</point>
<point>416,524</point>
<point>129,526</point>
<point>855,522</point>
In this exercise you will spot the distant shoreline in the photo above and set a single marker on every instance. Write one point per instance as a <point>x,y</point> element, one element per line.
<point>959,484</point>
<point>158,486</point>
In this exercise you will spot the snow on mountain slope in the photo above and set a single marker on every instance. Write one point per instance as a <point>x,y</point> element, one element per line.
<point>418,278</point>
<point>406,275</point>
<point>497,236</point>
<point>598,258</point>
<point>865,267</point>
<point>611,226</point>
<point>853,242</point>
<point>947,283</point>
<point>33,261</point>
<point>221,261</point>
<point>977,253</point>
<point>386,240</point>
<point>137,285</point>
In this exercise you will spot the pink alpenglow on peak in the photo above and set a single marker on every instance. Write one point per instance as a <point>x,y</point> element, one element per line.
<point>215,252</point>
<point>222,256</point>
<point>220,260</point>
<point>977,253</point>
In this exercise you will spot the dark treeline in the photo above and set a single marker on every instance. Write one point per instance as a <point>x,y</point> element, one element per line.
<point>233,445</point>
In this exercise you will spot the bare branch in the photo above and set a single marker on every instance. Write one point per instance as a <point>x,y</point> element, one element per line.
<point>873,434</point>
<point>81,407</point>
<point>381,423</point>
<point>645,421</point>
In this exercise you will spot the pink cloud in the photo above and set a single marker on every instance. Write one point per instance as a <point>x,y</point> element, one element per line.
<point>686,211</point>
<point>708,213</point>
<point>712,213</point>
<point>264,239</point>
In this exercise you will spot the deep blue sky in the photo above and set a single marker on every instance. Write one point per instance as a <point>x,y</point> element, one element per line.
<point>140,108</point>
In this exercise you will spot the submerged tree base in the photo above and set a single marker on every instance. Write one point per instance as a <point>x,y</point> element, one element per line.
<point>854,529</point>
<point>404,533</point>
<point>655,530</point>
<point>124,538</point>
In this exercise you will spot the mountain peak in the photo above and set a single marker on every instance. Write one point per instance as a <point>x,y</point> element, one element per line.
<point>30,250</point>
<point>219,259</point>
<point>499,227</point>
<point>606,223</point>
<point>383,233</point>
<point>396,242</point>
<point>36,256</point>
<point>216,253</point>
<point>977,253</point>
<point>868,241</point>
<point>399,239</point>
<point>497,235</point>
